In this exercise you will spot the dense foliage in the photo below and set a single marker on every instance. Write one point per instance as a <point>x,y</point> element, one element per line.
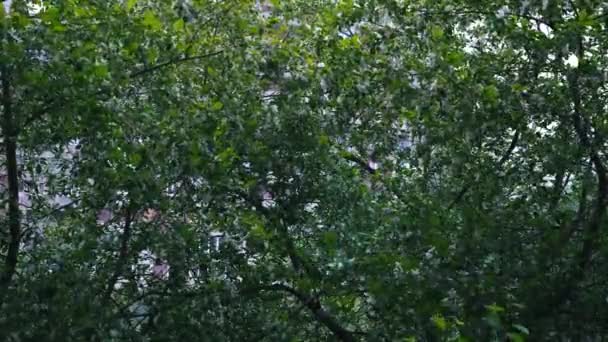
<point>239,170</point>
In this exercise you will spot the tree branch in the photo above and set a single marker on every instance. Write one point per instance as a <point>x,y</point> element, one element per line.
<point>565,288</point>
<point>298,263</point>
<point>56,101</point>
<point>173,62</point>
<point>365,166</point>
<point>122,256</point>
<point>320,314</point>
<point>502,160</point>
<point>581,212</point>
<point>469,11</point>
<point>53,103</point>
<point>580,123</point>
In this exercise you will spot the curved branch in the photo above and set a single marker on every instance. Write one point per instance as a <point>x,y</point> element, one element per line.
<point>565,289</point>
<point>320,314</point>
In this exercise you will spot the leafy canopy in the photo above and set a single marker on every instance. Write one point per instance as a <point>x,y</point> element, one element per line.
<point>303,170</point>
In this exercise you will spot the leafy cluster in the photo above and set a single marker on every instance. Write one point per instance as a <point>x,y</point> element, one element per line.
<point>353,170</point>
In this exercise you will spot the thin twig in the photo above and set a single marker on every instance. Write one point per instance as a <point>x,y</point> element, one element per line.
<point>173,62</point>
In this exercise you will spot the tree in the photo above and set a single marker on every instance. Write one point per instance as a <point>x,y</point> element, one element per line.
<point>288,170</point>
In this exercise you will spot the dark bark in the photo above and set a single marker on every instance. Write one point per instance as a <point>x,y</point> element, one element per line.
<point>319,313</point>
<point>299,264</point>
<point>582,126</point>
<point>548,304</point>
<point>123,255</point>
<point>14,219</point>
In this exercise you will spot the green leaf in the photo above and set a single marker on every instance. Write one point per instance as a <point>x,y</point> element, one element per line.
<point>227,156</point>
<point>493,308</point>
<point>57,27</point>
<point>323,140</point>
<point>407,114</point>
<point>521,329</point>
<point>518,87</point>
<point>152,21</point>
<point>211,71</point>
<point>217,105</point>
<point>51,15</point>
<point>350,42</point>
<point>490,93</point>
<point>585,19</point>
<point>130,4</point>
<point>259,232</point>
<point>440,322</point>
<point>455,58</point>
<point>101,70</point>
<point>437,32</point>
<point>135,159</point>
<point>178,25</point>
